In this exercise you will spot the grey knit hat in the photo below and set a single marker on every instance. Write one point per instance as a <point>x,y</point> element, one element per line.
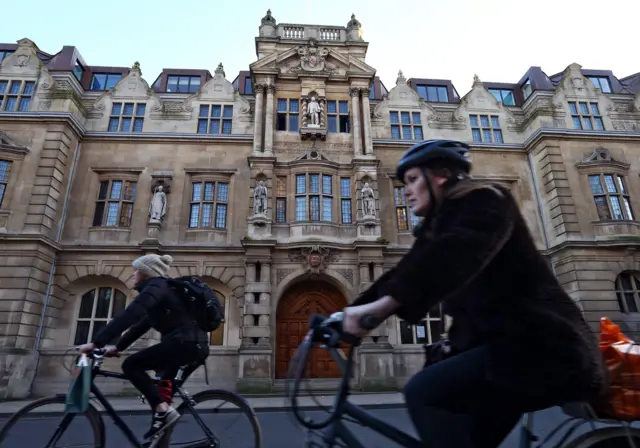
<point>153,265</point>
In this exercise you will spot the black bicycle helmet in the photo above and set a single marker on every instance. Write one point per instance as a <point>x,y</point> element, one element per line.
<point>429,151</point>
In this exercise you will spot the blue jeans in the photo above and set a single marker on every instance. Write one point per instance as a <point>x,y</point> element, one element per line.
<point>453,405</point>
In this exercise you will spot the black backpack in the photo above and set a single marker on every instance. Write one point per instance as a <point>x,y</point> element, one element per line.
<point>200,300</point>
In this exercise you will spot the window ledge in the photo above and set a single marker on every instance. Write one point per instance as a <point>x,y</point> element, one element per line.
<point>196,235</point>
<point>109,234</point>
<point>613,229</point>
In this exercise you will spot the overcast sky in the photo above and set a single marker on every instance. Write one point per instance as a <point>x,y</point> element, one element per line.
<point>451,39</point>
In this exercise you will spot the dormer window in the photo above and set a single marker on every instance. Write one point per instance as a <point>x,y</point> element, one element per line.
<point>527,90</point>
<point>4,54</point>
<point>433,94</point>
<point>78,71</point>
<point>601,82</point>
<point>183,84</point>
<point>505,96</point>
<point>104,81</point>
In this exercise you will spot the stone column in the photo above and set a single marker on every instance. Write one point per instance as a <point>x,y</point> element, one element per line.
<point>377,370</point>
<point>357,140</point>
<point>258,119</point>
<point>366,122</point>
<point>269,128</point>
<point>255,351</point>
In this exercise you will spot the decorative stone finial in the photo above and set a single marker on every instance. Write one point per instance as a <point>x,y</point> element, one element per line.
<point>476,80</point>
<point>269,19</point>
<point>353,23</point>
<point>136,66</point>
<point>220,70</point>
<point>401,78</point>
<point>354,29</point>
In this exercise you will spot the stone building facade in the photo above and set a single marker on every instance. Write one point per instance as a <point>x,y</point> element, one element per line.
<point>278,189</point>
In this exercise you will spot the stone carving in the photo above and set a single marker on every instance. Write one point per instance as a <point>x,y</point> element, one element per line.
<point>136,66</point>
<point>315,258</point>
<point>599,154</point>
<point>368,201</point>
<point>347,274</point>
<point>22,59</point>
<point>313,112</point>
<point>158,205</point>
<point>312,59</point>
<point>624,126</point>
<point>260,199</point>
<point>283,273</point>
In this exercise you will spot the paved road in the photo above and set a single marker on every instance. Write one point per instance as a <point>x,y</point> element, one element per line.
<point>279,430</point>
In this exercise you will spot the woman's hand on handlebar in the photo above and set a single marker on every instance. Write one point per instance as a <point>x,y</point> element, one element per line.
<point>378,310</point>
<point>86,348</point>
<point>109,350</point>
<point>352,318</point>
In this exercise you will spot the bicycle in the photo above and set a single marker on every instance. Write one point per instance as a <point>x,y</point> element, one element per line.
<point>327,332</point>
<point>160,440</point>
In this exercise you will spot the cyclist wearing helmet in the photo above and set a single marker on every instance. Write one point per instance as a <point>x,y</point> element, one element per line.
<point>518,342</point>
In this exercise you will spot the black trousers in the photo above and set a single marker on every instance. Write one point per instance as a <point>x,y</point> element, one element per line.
<point>452,404</point>
<point>166,357</point>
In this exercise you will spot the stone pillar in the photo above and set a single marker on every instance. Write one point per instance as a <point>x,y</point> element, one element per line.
<point>255,372</point>
<point>366,122</point>
<point>376,367</point>
<point>259,118</point>
<point>269,127</point>
<point>357,138</point>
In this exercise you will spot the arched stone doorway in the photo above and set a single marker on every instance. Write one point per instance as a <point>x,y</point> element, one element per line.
<point>292,318</point>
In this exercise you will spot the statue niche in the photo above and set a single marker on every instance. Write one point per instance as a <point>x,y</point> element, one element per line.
<point>313,117</point>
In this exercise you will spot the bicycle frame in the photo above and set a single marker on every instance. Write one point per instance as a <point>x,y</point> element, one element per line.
<point>119,422</point>
<point>336,429</point>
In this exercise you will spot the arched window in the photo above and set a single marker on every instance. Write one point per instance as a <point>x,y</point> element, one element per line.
<point>97,307</point>
<point>217,337</point>
<point>628,292</point>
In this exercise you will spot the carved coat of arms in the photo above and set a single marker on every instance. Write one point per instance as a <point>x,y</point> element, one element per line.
<point>312,59</point>
<point>314,258</point>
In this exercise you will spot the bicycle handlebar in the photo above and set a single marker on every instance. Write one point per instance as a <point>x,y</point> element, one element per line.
<point>328,331</point>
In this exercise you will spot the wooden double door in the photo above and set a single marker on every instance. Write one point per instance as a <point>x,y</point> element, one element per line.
<point>292,321</point>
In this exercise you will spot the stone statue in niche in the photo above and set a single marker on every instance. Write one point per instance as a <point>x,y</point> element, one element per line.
<point>158,206</point>
<point>260,199</point>
<point>313,111</point>
<point>368,201</point>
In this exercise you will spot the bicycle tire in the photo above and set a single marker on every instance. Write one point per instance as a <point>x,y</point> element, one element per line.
<point>92,414</point>
<point>593,439</point>
<point>218,394</point>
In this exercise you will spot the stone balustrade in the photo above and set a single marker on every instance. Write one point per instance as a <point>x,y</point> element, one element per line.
<point>304,32</point>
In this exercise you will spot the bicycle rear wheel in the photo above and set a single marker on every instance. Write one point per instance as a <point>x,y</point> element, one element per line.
<point>616,437</point>
<point>228,408</point>
<point>39,428</point>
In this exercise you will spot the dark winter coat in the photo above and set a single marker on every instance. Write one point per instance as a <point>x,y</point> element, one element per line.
<point>479,259</point>
<point>158,307</point>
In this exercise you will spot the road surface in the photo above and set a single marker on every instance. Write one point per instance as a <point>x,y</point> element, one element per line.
<point>279,430</point>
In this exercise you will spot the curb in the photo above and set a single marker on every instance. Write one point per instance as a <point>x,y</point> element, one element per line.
<point>257,410</point>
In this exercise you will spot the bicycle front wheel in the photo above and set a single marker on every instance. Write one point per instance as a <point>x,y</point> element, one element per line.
<point>40,424</point>
<point>616,437</point>
<point>222,418</point>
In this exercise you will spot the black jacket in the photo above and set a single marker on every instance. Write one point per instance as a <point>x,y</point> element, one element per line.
<point>158,307</point>
<point>479,259</point>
